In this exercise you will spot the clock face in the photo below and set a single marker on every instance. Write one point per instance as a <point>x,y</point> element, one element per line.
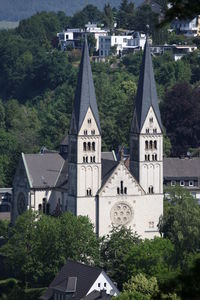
<point>21,203</point>
<point>121,213</point>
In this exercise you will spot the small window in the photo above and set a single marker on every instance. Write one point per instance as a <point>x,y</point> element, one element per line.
<point>84,146</point>
<point>148,158</point>
<point>155,144</point>
<point>146,145</point>
<point>154,130</point>
<point>89,146</point>
<point>125,190</point>
<point>182,183</point>
<point>151,224</point>
<point>40,207</point>
<point>86,159</point>
<point>151,145</point>
<point>191,183</point>
<point>99,284</point>
<point>156,157</point>
<point>104,284</point>
<point>89,121</point>
<point>153,157</point>
<point>145,157</point>
<point>93,131</point>
<point>93,158</point>
<point>93,146</point>
<point>173,183</point>
<point>85,132</point>
<point>118,191</point>
<point>83,159</point>
<point>147,130</point>
<point>151,120</point>
<point>151,189</point>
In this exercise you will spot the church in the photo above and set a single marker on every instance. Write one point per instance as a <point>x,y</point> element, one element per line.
<point>82,179</point>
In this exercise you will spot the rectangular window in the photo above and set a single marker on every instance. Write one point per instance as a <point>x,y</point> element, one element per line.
<point>104,284</point>
<point>182,183</point>
<point>99,284</point>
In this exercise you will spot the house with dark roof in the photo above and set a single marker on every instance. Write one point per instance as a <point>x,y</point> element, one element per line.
<point>79,281</point>
<point>81,179</point>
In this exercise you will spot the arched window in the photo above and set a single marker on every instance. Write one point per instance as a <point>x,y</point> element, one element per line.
<point>93,158</point>
<point>151,145</point>
<point>155,144</point>
<point>85,132</point>
<point>48,208</point>
<point>155,156</point>
<point>154,130</point>
<point>84,159</point>
<point>90,158</point>
<point>89,192</point>
<point>89,146</point>
<point>147,130</point>
<point>122,188</point>
<point>118,190</point>
<point>148,157</point>
<point>152,156</point>
<point>151,189</point>
<point>44,200</point>
<point>145,157</point>
<point>146,145</point>
<point>125,190</point>
<point>93,131</point>
<point>84,146</point>
<point>40,207</point>
<point>93,146</point>
<point>89,121</point>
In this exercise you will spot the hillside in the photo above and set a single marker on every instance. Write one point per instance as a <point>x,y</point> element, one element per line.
<point>21,9</point>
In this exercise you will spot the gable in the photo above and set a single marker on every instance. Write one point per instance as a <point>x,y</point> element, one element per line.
<point>121,178</point>
<point>103,282</point>
<point>151,123</point>
<point>21,177</point>
<point>89,124</point>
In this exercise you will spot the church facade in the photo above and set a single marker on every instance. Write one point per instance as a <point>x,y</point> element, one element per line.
<point>83,180</point>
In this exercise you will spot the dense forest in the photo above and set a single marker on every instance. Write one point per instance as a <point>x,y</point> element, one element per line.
<point>37,83</point>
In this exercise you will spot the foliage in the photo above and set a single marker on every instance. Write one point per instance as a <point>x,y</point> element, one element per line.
<point>39,245</point>
<point>152,258</point>
<point>89,13</point>
<point>181,221</point>
<point>180,115</point>
<point>4,228</point>
<point>182,9</point>
<point>114,249</point>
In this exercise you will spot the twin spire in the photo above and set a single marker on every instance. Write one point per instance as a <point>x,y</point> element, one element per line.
<point>85,96</point>
<point>146,92</point>
<point>85,93</point>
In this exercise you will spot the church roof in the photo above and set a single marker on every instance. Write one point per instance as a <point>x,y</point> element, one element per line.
<point>43,169</point>
<point>146,92</point>
<point>85,93</point>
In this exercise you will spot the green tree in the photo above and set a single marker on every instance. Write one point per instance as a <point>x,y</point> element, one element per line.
<point>108,17</point>
<point>89,13</point>
<point>39,245</point>
<point>141,288</point>
<point>114,249</point>
<point>181,221</point>
<point>125,14</point>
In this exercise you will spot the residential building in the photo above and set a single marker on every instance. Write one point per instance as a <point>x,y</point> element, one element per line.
<point>73,36</point>
<point>122,43</point>
<point>79,281</point>
<point>5,203</point>
<point>190,28</point>
<point>178,51</point>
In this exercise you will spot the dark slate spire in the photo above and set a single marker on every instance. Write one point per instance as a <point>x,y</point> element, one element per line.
<point>85,93</point>
<point>146,93</point>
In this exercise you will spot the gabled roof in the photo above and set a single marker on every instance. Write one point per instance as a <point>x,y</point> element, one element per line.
<point>146,92</point>
<point>43,169</point>
<point>94,295</point>
<point>86,276</point>
<point>175,167</point>
<point>85,93</point>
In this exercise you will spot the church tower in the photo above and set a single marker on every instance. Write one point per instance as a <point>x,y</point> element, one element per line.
<point>146,137</point>
<point>84,160</point>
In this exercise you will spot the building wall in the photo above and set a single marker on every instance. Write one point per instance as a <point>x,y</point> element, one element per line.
<point>135,209</point>
<point>103,282</point>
